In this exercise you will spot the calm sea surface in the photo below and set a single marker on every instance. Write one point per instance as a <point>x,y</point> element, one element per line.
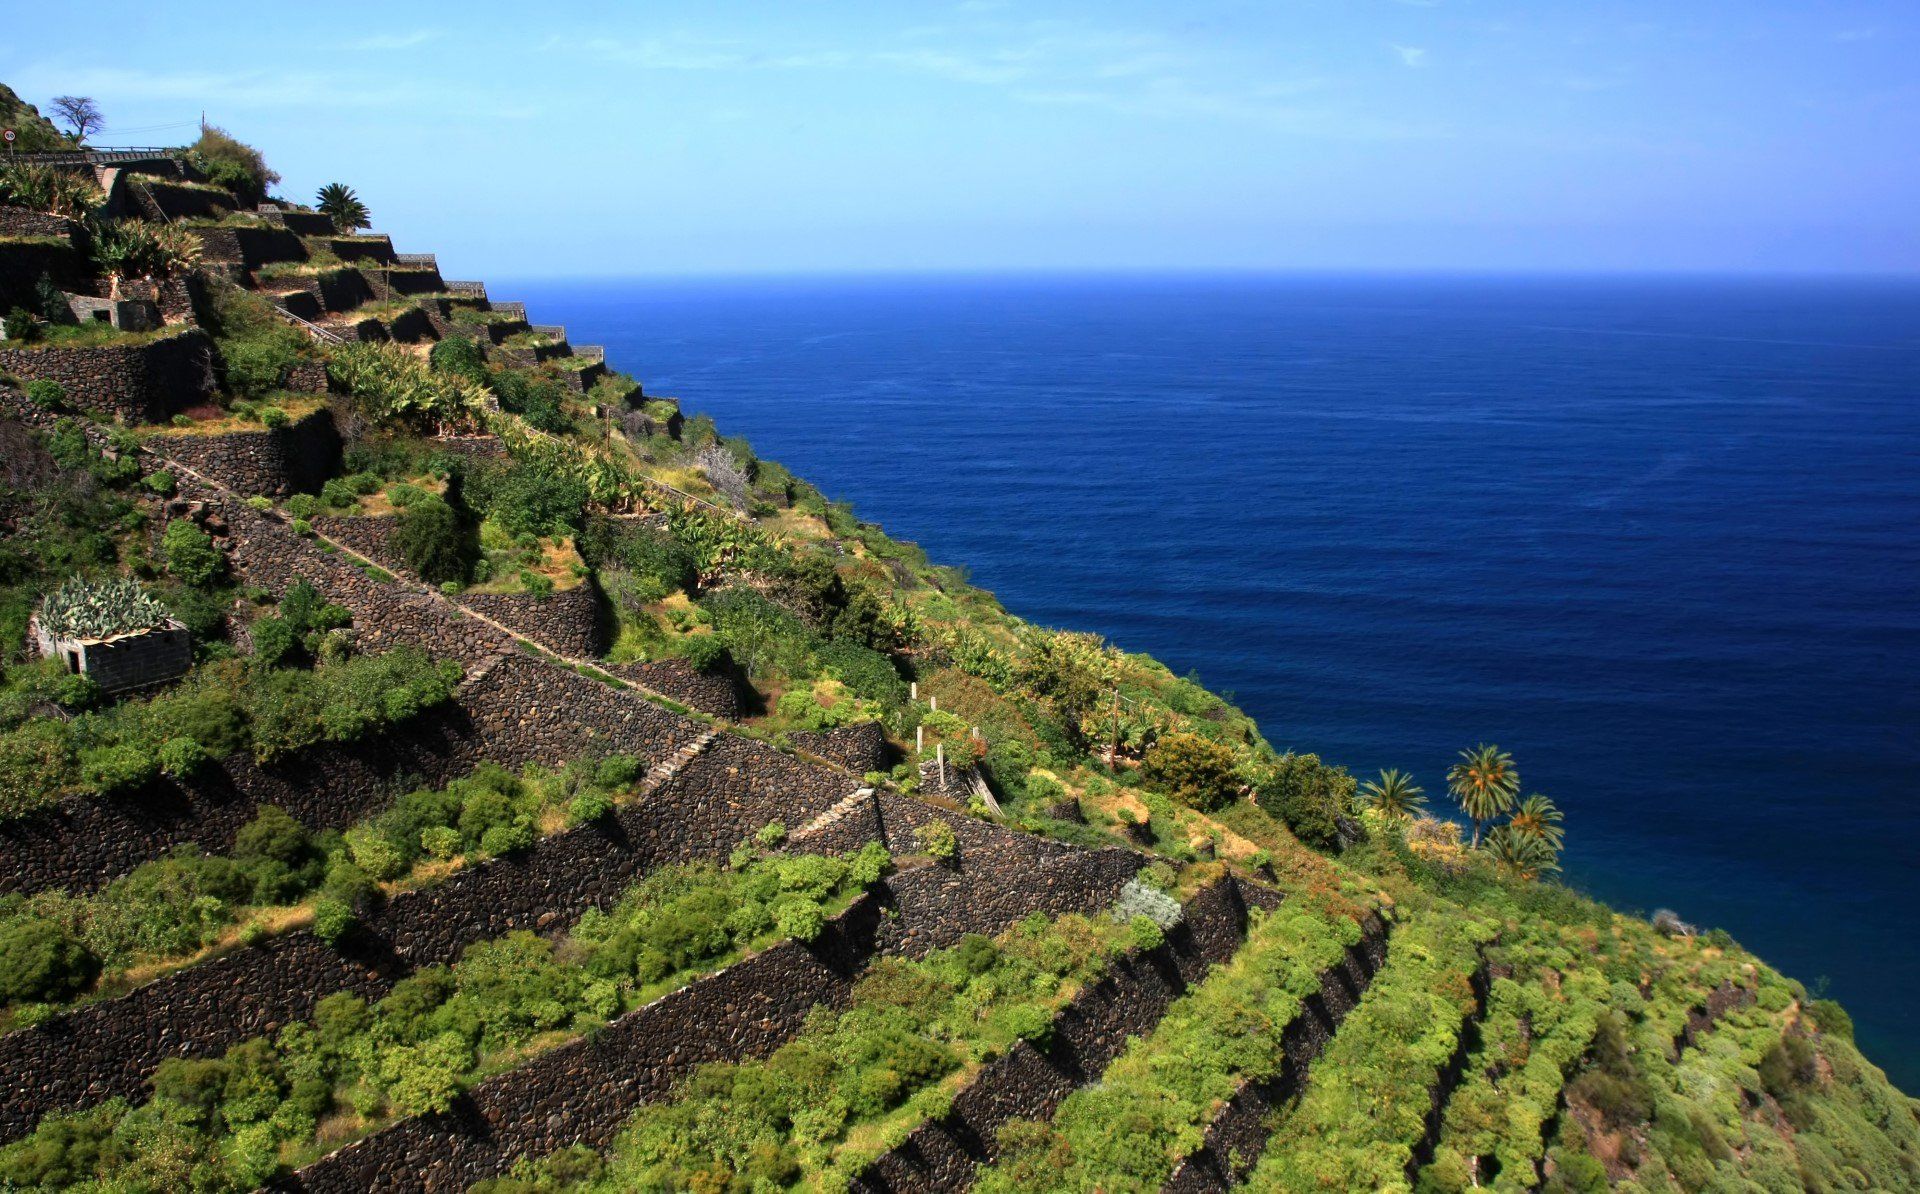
<point>1660,538</point>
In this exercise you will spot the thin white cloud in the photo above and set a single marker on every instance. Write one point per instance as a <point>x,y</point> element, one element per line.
<point>397,41</point>
<point>1411,55</point>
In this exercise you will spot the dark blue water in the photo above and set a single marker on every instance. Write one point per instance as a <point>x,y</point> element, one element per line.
<point>1659,538</point>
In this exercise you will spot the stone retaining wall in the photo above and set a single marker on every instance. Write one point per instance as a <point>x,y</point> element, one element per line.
<point>23,262</point>
<point>859,748</point>
<point>1239,1132</point>
<point>569,622</point>
<point>1029,1082</point>
<point>712,693</point>
<point>249,247</point>
<point>109,1048</point>
<point>178,202</point>
<point>334,290</point>
<point>275,461</point>
<point>584,1091</point>
<point>19,221</point>
<point>135,383</point>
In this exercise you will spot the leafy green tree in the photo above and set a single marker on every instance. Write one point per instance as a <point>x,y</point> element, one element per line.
<point>435,541</point>
<point>1395,795</point>
<point>231,163</point>
<point>1198,772</point>
<point>338,203</point>
<point>1484,783</point>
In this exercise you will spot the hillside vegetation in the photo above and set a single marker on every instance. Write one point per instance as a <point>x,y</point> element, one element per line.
<point>472,464</point>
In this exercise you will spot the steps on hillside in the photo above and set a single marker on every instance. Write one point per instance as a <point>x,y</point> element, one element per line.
<point>663,773</point>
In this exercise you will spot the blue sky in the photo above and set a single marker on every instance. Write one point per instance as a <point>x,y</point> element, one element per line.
<point>997,134</point>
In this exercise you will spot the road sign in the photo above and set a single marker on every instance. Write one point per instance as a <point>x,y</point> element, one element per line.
<point>9,136</point>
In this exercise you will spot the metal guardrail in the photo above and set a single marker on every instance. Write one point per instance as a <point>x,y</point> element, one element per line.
<point>105,156</point>
<point>326,335</point>
<point>415,259</point>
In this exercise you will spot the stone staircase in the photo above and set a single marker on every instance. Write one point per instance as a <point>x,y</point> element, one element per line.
<point>833,816</point>
<point>662,773</point>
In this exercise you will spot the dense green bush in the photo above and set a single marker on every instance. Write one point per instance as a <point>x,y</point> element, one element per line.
<point>233,164</point>
<point>459,357</point>
<point>436,541</point>
<point>41,961</point>
<point>527,499</point>
<point>1196,771</point>
<point>190,554</point>
<point>1310,796</point>
<point>255,348</point>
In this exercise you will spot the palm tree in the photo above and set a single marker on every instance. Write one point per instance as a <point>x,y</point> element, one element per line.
<point>1395,794</point>
<point>1521,855</point>
<point>1484,783</point>
<point>1538,817</point>
<point>338,201</point>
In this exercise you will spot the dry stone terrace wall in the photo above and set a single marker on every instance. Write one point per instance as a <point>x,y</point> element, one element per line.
<point>1029,1083</point>
<point>711,693</point>
<point>109,1048</point>
<point>275,461</point>
<point>1239,1132</point>
<point>135,383</point>
<point>569,622</point>
<point>19,221</point>
<point>859,748</point>
<point>82,843</point>
<point>249,247</point>
<point>583,1092</point>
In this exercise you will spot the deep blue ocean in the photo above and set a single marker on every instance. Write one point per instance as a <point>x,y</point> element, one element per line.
<point>1658,537</point>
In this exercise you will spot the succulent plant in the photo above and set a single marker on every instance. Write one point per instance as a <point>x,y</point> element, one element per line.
<point>100,609</point>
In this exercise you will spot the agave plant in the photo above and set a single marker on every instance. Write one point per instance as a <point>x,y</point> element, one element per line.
<point>43,188</point>
<point>136,248</point>
<point>392,385</point>
<point>100,609</point>
<point>337,201</point>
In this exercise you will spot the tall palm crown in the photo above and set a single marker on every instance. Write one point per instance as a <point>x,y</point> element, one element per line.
<point>1538,817</point>
<point>1523,856</point>
<point>1484,783</point>
<point>338,201</point>
<point>1395,794</point>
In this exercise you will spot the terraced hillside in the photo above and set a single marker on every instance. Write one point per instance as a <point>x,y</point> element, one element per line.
<point>561,797</point>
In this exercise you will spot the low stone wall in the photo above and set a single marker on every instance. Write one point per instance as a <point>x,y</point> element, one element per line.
<point>275,461</point>
<point>401,283</point>
<point>859,748</point>
<point>1029,1082</point>
<point>249,248</point>
<point>583,1092</point>
<point>136,383</point>
<point>19,221</point>
<point>569,622</point>
<point>712,693</point>
<point>182,203</point>
<point>334,290</point>
<point>1238,1133</point>
<point>307,377</point>
<point>110,1048</point>
<point>358,248</point>
<point>303,223</point>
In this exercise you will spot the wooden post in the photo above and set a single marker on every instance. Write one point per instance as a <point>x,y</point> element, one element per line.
<point>940,757</point>
<point>933,702</point>
<point>920,739</point>
<point>913,690</point>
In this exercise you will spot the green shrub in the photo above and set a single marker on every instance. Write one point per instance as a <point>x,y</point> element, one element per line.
<point>460,357</point>
<point>46,394</point>
<point>1310,797</point>
<point>182,758</point>
<point>589,805</point>
<point>332,919</point>
<point>161,482</point>
<point>441,842</point>
<point>936,839</point>
<point>233,164</point>
<point>303,505</point>
<point>435,540</point>
<point>190,554</point>
<point>118,768</point>
<point>40,961</point>
<point>273,416</point>
<point>1196,771</point>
